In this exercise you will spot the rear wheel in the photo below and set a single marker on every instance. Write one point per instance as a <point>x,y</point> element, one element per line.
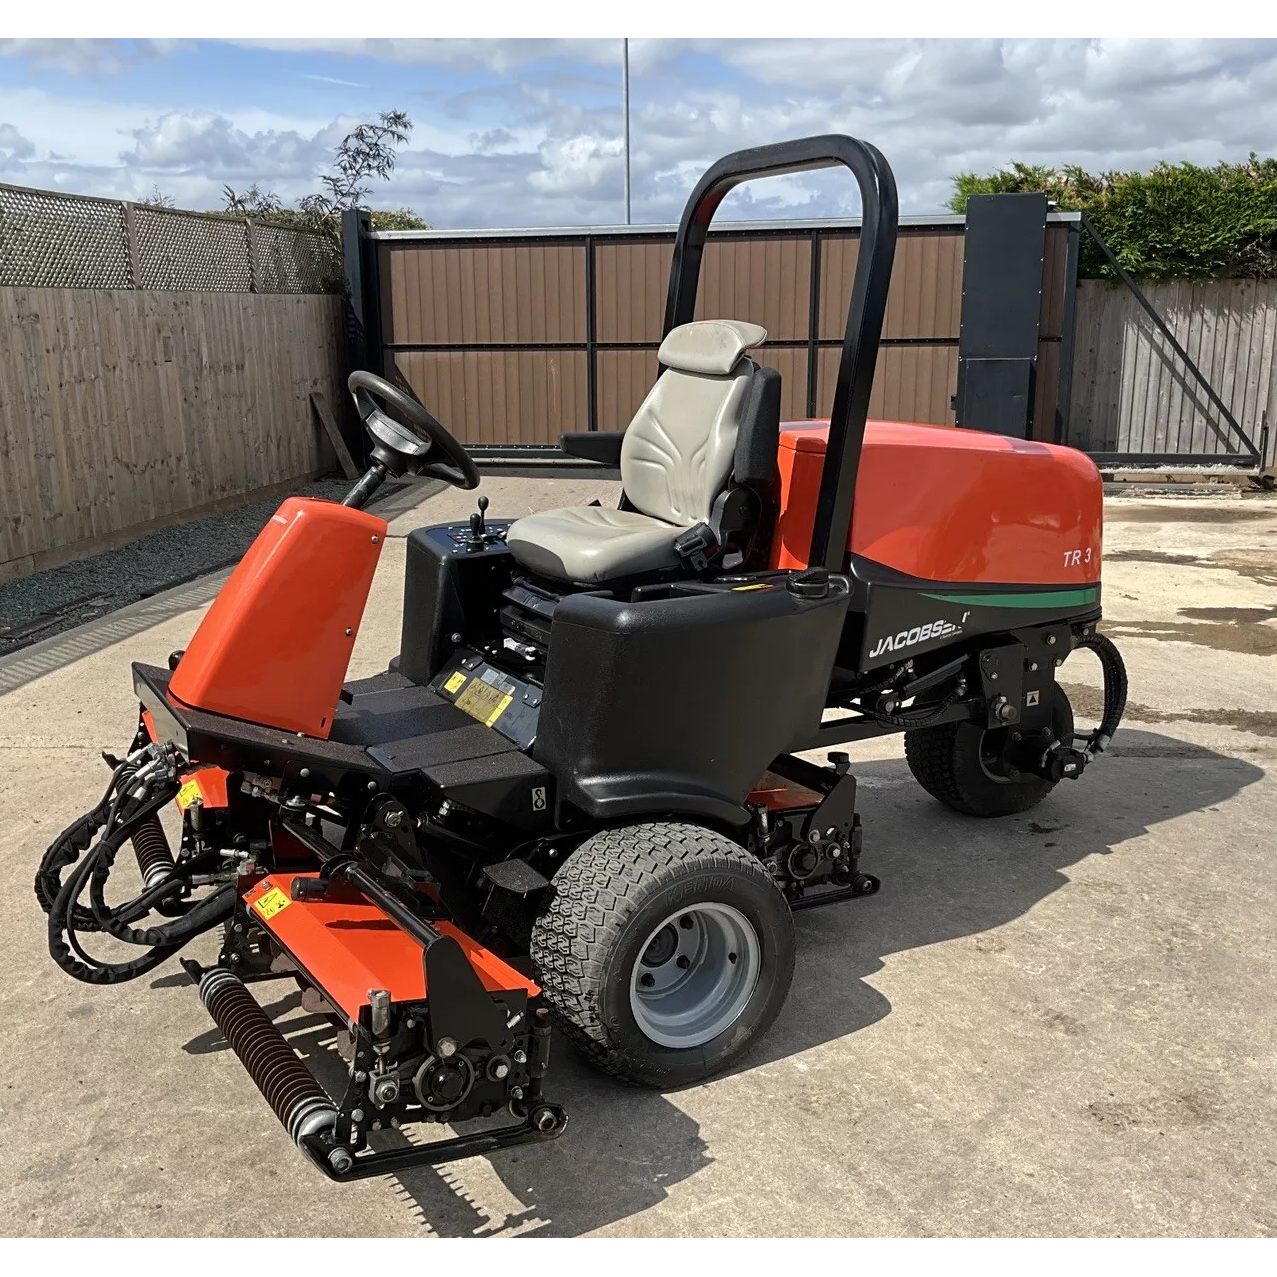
<point>964,764</point>
<point>667,950</point>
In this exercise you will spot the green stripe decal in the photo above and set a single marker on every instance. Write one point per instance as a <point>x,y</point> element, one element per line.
<point>1051,598</point>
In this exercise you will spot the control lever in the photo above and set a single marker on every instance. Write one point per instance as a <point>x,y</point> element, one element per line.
<point>480,538</point>
<point>477,526</point>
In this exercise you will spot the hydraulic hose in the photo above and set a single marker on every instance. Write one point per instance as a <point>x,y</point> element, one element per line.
<point>1115,687</point>
<point>139,788</point>
<point>927,718</point>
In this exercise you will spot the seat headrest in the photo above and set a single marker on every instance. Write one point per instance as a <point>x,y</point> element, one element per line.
<point>712,346</point>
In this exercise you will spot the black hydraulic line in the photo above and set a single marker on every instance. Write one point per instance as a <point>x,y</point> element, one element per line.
<point>65,948</point>
<point>67,847</point>
<point>1115,688</point>
<point>120,815</point>
<point>912,720</point>
<point>1162,328</point>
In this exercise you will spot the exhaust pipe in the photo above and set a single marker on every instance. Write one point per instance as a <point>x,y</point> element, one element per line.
<point>300,1103</point>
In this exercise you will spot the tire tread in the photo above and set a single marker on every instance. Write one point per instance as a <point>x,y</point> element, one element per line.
<point>936,757</point>
<point>595,892</point>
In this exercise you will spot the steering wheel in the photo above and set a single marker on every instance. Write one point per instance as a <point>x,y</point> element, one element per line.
<point>404,434</point>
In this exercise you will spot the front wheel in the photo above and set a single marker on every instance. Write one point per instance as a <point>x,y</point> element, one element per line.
<point>964,764</point>
<point>666,951</point>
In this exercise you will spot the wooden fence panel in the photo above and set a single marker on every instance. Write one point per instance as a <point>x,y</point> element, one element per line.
<point>1131,393</point>
<point>121,409</point>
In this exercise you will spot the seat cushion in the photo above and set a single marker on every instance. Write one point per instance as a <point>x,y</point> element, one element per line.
<point>588,544</point>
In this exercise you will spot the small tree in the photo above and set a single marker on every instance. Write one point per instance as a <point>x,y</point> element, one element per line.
<point>254,202</point>
<point>365,153</point>
<point>157,199</point>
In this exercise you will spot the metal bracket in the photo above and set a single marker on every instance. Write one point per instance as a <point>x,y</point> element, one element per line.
<point>544,1122</point>
<point>1002,680</point>
<point>460,1008</point>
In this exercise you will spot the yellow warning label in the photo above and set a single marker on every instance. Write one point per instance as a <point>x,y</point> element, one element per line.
<point>454,682</point>
<point>272,902</point>
<point>188,794</point>
<point>483,702</point>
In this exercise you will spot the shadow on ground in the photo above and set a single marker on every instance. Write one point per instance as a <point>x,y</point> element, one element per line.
<point>944,876</point>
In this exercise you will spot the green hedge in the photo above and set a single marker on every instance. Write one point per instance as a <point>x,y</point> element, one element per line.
<point>1177,221</point>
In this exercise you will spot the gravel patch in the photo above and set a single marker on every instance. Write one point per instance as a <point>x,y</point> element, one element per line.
<point>47,603</point>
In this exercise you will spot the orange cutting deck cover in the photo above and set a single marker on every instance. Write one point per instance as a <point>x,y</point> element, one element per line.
<point>348,946</point>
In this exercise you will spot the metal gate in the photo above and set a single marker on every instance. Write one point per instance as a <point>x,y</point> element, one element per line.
<point>511,337</point>
<point>1141,395</point>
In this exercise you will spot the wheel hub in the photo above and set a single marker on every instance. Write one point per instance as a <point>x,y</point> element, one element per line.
<point>695,975</point>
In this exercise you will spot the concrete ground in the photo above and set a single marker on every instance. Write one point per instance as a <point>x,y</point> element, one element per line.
<point>1056,1024</point>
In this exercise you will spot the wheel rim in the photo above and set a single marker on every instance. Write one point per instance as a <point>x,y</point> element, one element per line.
<point>990,751</point>
<point>695,975</point>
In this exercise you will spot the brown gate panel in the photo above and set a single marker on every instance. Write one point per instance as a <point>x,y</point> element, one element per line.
<point>792,365</point>
<point>501,396</point>
<point>513,337</point>
<point>630,283</point>
<point>459,295</point>
<point>763,281</point>
<point>925,301</point>
<point>624,378</point>
<point>911,383</point>
<point>766,282</point>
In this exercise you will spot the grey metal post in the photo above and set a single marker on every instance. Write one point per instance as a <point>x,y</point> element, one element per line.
<point>625,94</point>
<point>360,324</point>
<point>354,225</point>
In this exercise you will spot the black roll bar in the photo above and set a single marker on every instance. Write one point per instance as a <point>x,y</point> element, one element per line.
<point>879,222</point>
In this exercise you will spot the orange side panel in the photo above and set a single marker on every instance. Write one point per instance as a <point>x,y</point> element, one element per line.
<point>778,794</point>
<point>208,784</point>
<point>274,646</point>
<point>951,505</point>
<point>348,946</point>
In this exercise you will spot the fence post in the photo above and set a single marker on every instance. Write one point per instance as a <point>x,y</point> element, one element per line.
<point>130,241</point>
<point>252,255</point>
<point>355,224</point>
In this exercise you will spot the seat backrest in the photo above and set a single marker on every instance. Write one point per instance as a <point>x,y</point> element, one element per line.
<point>679,450</point>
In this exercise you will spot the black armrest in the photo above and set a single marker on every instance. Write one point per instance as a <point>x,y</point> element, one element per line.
<point>602,446</point>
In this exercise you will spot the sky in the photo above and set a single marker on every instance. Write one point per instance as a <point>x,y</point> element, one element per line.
<point>528,132</point>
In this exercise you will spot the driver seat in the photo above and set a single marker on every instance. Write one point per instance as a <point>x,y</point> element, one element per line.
<point>711,420</point>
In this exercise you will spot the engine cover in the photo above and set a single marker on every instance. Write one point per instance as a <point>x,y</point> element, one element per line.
<point>959,506</point>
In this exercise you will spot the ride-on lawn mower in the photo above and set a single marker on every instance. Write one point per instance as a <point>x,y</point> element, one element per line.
<point>574,798</point>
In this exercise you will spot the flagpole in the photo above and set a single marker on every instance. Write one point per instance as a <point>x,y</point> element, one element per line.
<point>625,93</point>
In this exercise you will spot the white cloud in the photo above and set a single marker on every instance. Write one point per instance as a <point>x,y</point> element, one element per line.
<point>500,56</point>
<point>13,146</point>
<point>87,57</point>
<point>535,137</point>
